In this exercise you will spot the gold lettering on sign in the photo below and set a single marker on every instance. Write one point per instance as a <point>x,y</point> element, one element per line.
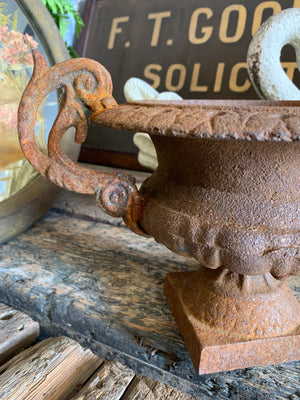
<point>258,13</point>
<point>219,77</point>
<point>233,85</point>
<point>240,26</point>
<point>195,78</point>
<point>290,68</point>
<point>158,17</point>
<point>115,29</point>
<point>206,31</point>
<point>169,77</point>
<point>148,73</point>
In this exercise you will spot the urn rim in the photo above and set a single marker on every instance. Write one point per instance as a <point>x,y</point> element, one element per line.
<point>208,119</point>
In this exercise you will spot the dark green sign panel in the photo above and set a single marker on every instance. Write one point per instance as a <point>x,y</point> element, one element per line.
<point>197,48</point>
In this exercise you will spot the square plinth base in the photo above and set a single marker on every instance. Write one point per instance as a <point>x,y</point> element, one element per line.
<point>214,351</point>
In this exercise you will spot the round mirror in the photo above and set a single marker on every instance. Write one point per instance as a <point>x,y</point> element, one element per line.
<point>24,195</point>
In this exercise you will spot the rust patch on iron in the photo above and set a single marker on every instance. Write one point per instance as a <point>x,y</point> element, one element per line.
<point>86,83</point>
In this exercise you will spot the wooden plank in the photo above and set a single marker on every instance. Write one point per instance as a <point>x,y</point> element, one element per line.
<point>144,388</point>
<point>51,370</point>
<point>17,331</point>
<point>109,383</point>
<point>84,207</point>
<point>112,158</point>
<point>104,286</point>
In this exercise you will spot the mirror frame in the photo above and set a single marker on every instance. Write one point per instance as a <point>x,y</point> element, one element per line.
<point>25,207</point>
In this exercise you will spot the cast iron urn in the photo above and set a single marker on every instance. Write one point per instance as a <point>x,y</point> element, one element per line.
<point>226,192</point>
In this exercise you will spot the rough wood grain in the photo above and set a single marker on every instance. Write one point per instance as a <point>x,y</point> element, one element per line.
<point>50,370</point>
<point>109,383</point>
<point>104,286</point>
<point>17,331</point>
<point>143,388</point>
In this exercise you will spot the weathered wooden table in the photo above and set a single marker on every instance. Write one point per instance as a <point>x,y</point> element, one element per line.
<point>83,274</point>
<point>58,368</point>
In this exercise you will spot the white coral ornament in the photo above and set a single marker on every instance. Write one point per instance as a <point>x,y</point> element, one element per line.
<point>266,73</point>
<point>136,89</point>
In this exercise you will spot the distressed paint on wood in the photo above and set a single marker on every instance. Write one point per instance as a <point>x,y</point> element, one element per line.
<point>51,370</point>
<point>104,285</point>
<point>17,331</point>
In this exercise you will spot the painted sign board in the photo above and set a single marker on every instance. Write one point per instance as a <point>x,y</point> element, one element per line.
<point>196,48</point>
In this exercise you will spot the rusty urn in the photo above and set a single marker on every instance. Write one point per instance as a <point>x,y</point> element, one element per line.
<point>226,192</point>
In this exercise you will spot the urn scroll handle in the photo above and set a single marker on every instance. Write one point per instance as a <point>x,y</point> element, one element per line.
<point>85,84</point>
